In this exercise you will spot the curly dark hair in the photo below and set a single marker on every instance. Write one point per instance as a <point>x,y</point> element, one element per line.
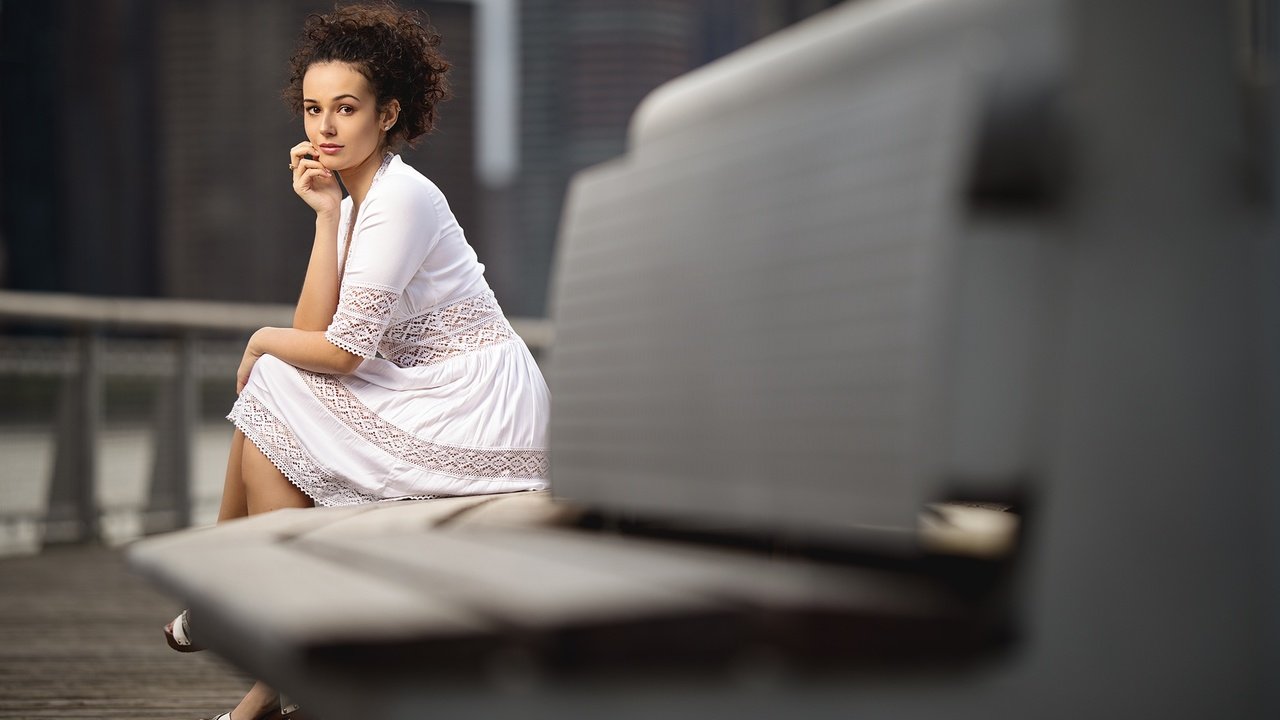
<point>396,51</point>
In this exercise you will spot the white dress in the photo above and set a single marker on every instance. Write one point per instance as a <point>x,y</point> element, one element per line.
<point>448,400</point>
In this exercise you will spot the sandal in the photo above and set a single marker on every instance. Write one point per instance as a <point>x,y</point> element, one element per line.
<point>178,634</point>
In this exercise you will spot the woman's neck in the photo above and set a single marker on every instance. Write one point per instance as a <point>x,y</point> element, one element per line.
<point>358,179</point>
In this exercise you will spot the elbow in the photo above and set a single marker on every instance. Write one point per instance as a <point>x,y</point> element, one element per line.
<point>335,358</point>
<point>346,363</point>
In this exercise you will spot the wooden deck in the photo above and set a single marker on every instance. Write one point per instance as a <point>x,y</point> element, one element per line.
<point>80,638</point>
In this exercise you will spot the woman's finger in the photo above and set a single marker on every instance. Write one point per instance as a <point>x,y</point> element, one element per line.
<point>312,181</point>
<point>306,164</point>
<point>247,361</point>
<point>310,169</point>
<point>298,153</point>
<point>309,175</point>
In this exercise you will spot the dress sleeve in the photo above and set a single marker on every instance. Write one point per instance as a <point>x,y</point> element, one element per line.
<point>399,227</point>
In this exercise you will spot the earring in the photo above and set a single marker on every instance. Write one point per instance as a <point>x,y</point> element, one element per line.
<point>385,129</point>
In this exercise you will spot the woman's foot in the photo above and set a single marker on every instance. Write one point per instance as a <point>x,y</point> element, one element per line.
<point>178,634</point>
<point>260,703</point>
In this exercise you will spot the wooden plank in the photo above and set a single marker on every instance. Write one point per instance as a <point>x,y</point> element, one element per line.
<point>267,527</point>
<point>578,601</point>
<point>368,519</point>
<point>291,598</point>
<point>724,574</point>
<point>401,516</point>
<point>80,637</point>
<point>264,607</point>
<point>526,509</point>
<point>802,613</point>
<point>511,588</point>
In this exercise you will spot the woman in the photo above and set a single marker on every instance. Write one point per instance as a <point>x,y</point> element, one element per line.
<point>400,377</point>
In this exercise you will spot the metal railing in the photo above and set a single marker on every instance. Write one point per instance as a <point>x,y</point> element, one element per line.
<point>72,514</point>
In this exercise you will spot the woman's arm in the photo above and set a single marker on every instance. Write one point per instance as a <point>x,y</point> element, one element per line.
<point>306,349</point>
<point>317,186</point>
<point>319,298</point>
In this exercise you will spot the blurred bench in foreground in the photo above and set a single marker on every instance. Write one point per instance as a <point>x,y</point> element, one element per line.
<point>357,611</point>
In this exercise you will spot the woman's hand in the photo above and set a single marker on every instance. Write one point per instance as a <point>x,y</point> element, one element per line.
<point>303,349</point>
<point>247,361</point>
<point>313,182</point>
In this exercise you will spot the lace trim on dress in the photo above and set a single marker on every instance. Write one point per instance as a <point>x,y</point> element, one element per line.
<point>278,443</point>
<point>454,460</point>
<point>362,316</point>
<point>461,327</point>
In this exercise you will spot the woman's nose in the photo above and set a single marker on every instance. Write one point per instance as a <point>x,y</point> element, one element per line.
<point>326,124</point>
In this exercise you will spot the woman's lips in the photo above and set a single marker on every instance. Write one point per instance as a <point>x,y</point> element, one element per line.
<point>330,149</point>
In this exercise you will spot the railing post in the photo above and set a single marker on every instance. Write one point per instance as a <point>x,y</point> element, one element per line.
<point>73,505</point>
<point>169,503</point>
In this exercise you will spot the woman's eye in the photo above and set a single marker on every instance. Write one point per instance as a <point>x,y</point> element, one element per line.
<point>311,110</point>
<point>346,109</point>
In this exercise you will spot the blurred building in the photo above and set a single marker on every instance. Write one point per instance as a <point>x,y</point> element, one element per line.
<point>146,153</point>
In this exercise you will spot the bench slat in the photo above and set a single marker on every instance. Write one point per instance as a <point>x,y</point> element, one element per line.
<point>283,598</point>
<point>517,589</point>
<point>521,508</point>
<point>724,575</point>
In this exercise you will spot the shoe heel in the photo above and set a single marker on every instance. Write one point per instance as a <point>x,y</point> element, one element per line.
<point>178,634</point>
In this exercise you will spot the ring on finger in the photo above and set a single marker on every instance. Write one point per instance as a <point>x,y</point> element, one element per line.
<point>292,166</point>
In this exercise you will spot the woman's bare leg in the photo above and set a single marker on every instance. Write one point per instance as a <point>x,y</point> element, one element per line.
<point>234,504</point>
<point>266,488</point>
<point>255,702</point>
<point>262,488</point>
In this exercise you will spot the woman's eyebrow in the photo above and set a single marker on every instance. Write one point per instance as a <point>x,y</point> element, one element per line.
<point>339,97</point>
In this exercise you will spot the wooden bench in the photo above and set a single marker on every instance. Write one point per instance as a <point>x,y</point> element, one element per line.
<point>361,610</point>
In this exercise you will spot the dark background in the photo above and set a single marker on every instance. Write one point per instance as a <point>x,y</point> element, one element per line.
<point>144,142</point>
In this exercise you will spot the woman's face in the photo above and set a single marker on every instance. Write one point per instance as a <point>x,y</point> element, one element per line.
<point>341,115</point>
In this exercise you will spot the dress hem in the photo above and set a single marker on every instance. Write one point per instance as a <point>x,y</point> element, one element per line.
<point>273,454</point>
<point>281,447</point>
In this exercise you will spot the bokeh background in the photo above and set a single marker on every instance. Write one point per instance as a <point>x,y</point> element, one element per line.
<point>144,156</point>
<point>144,150</point>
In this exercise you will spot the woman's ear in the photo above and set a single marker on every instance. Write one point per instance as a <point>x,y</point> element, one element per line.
<point>390,114</point>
